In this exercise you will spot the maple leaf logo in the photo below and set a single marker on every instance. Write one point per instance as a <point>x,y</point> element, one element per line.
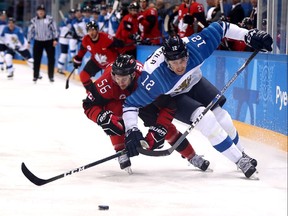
<point>101,59</point>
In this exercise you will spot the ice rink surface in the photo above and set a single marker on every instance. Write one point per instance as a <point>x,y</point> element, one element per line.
<point>44,126</point>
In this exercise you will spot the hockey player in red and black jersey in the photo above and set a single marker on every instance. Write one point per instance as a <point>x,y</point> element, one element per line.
<point>128,29</point>
<point>148,24</point>
<point>103,48</point>
<point>190,13</point>
<point>104,107</point>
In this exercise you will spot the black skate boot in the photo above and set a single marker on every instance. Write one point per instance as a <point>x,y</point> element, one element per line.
<point>246,167</point>
<point>199,162</point>
<point>10,76</point>
<point>125,163</point>
<point>252,160</point>
<point>60,71</point>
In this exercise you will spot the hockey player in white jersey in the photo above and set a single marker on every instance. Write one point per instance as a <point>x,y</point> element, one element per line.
<point>3,23</point>
<point>78,32</point>
<point>15,41</point>
<point>174,69</point>
<point>65,28</point>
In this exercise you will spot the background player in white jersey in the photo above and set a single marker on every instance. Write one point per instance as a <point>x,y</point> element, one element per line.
<point>15,41</point>
<point>174,69</point>
<point>3,22</point>
<point>78,32</point>
<point>65,36</point>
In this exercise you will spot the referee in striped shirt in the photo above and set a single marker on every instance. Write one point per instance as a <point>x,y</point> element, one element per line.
<point>44,31</point>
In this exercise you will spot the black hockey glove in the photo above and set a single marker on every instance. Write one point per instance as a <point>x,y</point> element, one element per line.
<point>189,19</point>
<point>17,48</point>
<point>133,140</point>
<point>111,124</point>
<point>76,61</point>
<point>259,40</point>
<point>156,136</point>
<point>135,37</point>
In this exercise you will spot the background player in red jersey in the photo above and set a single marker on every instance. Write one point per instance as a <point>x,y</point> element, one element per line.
<point>189,14</point>
<point>104,107</point>
<point>128,29</point>
<point>148,24</point>
<point>104,49</point>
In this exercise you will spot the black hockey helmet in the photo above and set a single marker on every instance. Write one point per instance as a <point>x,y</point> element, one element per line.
<point>124,65</point>
<point>174,48</point>
<point>11,19</point>
<point>91,25</point>
<point>72,11</point>
<point>133,5</point>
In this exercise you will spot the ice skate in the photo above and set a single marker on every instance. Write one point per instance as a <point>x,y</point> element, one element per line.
<point>252,160</point>
<point>10,75</point>
<point>199,162</point>
<point>125,163</point>
<point>247,168</point>
<point>60,71</point>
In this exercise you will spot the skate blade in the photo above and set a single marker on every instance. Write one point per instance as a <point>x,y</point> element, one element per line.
<point>209,170</point>
<point>254,177</point>
<point>128,170</point>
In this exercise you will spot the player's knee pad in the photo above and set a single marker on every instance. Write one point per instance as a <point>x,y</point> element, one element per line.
<point>171,134</point>
<point>118,142</point>
<point>63,57</point>
<point>8,59</point>
<point>225,120</point>
<point>209,126</point>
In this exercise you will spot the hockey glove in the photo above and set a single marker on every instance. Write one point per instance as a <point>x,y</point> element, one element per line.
<point>259,40</point>
<point>189,19</point>
<point>111,124</point>
<point>76,61</point>
<point>133,140</point>
<point>17,48</point>
<point>135,37</point>
<point>156,137</point>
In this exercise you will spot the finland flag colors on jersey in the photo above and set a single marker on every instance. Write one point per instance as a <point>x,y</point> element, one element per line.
<point>14,38</point>
<point>157,79</point>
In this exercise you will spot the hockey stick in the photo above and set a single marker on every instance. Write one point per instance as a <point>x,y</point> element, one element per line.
<point>222,9</point>
<point>39,182</point>
<point>114,8</point>
<point>68,78</point>
<point>168,151</point>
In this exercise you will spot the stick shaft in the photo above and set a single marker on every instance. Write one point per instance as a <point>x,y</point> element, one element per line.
<point>38,181</point>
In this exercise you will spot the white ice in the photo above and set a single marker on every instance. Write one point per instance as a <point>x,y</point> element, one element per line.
<point>44,126</point>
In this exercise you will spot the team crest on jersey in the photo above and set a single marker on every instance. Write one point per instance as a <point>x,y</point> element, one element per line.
<point>80,30</point>
<point>89,48</point>
<point>122,97</point>
<point>101,59</point>
<point>14,40</point>
<point>184,85</point>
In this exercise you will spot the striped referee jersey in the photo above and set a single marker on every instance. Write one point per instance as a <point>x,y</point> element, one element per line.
<point>42,29</point>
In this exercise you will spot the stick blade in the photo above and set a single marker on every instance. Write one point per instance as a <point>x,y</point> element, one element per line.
<point>67,84</point>
<point>152,153</point>
<point>29,175</point>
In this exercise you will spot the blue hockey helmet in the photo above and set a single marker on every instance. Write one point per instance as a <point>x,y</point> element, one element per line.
<point>174,48</point>
<point>124,65</point>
